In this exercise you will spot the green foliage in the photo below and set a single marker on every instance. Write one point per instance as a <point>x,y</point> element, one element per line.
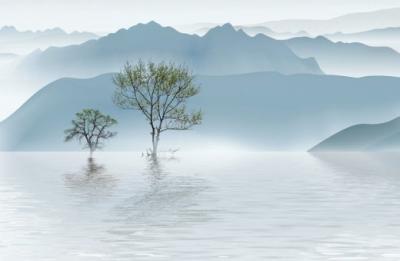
<point>91,128</point>
<point>160,92</point>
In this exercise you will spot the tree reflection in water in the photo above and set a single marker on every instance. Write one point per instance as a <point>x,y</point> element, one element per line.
<point>92,183</point>
<point>167,198</point>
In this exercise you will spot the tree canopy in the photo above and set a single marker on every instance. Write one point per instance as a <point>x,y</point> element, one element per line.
<point>160,92</point>
<point>91,128</point>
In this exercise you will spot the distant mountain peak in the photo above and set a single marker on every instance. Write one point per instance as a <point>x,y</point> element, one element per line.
<point>54,30</point>
<point>322,38</point>
<point>8,28</point>
<point>150,27</point>
<point>225,30</point>
<point>227,26</point>
<point>151,24</point>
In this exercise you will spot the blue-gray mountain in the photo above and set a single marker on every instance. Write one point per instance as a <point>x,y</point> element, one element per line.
<point>254,30</point>
<point>350,23</point>
<point>378,37</point>
<point>223,50</point>
<point>364,137</point>
<point>23,42</point>
<point>350,59</point>
<point>268,111</point>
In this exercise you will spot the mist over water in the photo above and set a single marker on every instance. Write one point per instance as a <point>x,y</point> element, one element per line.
<point>268,81</point>
<point>236,206</point>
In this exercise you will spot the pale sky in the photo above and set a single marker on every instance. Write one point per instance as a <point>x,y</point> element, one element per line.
<point>110,15</point>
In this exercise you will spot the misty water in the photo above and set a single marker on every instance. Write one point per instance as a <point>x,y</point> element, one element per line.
<point>236,206</point>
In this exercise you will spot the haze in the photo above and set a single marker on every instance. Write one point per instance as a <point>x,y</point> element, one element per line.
<point>105,15</point>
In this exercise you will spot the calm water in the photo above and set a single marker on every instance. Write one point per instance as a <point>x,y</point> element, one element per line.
<point>252,206</point>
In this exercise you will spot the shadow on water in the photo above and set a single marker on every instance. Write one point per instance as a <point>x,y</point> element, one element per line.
<point>92,183</point>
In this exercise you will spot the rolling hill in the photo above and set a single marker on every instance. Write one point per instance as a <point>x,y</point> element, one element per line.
<point>364,137</point>
<point>257,111</point>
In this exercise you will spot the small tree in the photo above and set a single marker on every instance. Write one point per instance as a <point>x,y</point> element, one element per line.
<point>90,127</point>
<point>160,92</point>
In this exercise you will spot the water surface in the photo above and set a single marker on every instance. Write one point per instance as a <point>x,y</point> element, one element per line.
<point>247,206</point>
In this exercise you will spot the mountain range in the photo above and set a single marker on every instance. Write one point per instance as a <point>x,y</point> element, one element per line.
<point>350,23</point>
<point>23,42</point>
<point>350,59</point>
<point>389,37</point>
<point>223,50</point>
<point>364,137</point>
<point>266,111</point>
<point>254,30</point>
<point>385,37</point>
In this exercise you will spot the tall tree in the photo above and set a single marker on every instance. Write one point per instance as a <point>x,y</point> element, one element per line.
<point>160,92</point>
<point>91,128</point>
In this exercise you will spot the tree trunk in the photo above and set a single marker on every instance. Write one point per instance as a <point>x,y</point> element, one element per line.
<point>155,138</point>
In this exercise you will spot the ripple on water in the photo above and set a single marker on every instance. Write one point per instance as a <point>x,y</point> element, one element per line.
<point>254,206</point>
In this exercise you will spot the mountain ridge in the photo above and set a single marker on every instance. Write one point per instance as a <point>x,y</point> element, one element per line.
<point>223,50</point>
<point>352,22</point>
<point>389,36</point>
<point>23,42</point>
<point>351,59</point>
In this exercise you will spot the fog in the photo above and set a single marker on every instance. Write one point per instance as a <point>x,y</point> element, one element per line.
<point>106,16</point>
